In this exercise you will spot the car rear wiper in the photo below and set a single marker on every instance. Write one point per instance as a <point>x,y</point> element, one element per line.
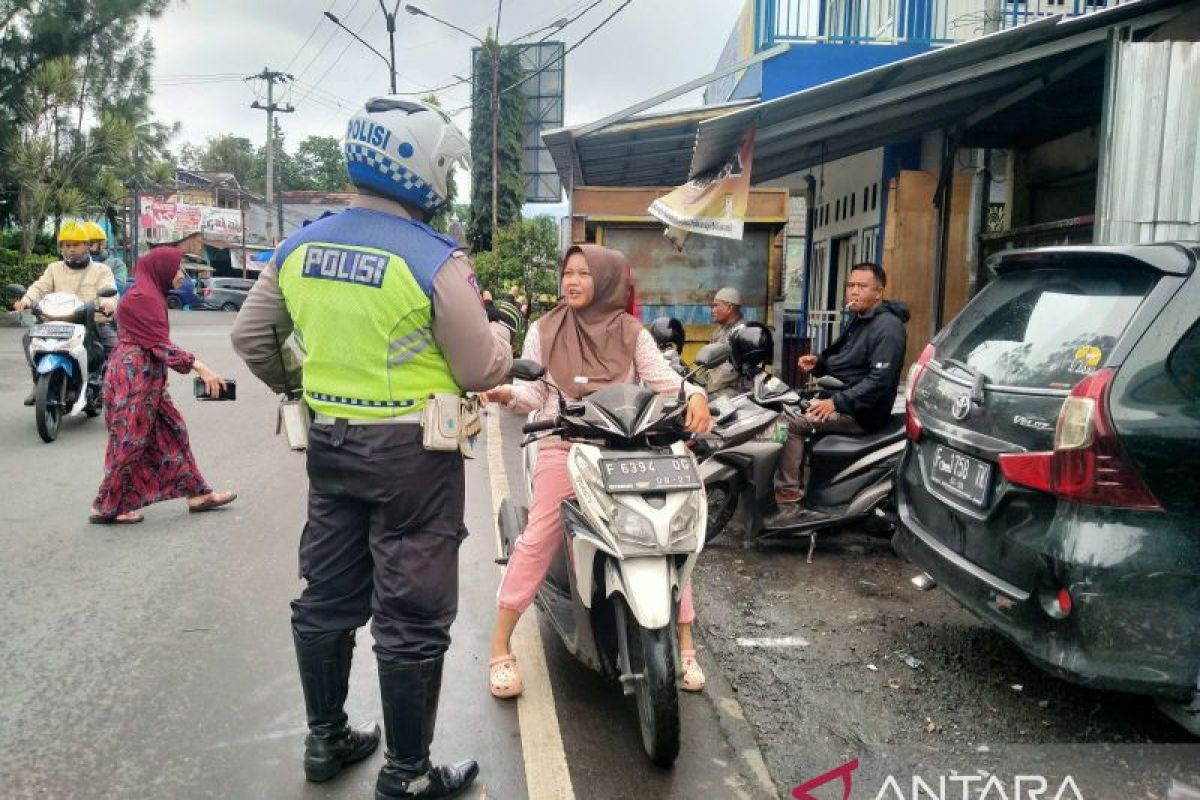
<point>978,379</point>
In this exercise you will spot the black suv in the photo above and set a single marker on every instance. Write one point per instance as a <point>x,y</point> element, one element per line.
<point>1052,480</point>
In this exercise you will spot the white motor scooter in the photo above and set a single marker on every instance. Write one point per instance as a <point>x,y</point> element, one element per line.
<point>632,534</point>
<point>67,357</point>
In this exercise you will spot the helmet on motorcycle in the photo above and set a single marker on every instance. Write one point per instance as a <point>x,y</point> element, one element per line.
<point>403,150</point>
<point>751,345</point>
<point>667,331</point>
<point>73,244</point>
<point>73,231</point>
<point>94,232</point>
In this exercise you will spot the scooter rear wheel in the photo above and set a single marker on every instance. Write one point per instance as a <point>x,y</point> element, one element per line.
<point>652,662</point>
<point>49,399</point>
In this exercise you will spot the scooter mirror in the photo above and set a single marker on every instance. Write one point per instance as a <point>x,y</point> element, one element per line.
<point>712,355</point>
<point>107,291</point>
<point>526,370</point>
<point>830,383</point>
<point>15,289</point>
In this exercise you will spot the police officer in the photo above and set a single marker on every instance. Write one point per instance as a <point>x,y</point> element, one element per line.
<point>388,313</point>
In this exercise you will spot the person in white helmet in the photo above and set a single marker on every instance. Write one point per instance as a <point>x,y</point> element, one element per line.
<point>389,314</point>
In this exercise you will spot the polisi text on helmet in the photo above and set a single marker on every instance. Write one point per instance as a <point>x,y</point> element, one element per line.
<point>369,133</point>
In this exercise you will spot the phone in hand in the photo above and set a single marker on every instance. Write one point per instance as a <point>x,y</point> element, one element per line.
<point>228,390</point>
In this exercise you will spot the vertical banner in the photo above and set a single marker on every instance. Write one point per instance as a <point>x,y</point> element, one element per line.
<point>713,204</point>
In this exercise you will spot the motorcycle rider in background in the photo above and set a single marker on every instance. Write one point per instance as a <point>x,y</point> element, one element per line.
<point>78,274</point>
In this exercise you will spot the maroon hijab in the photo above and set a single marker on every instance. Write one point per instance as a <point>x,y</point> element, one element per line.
<point>142,312</point>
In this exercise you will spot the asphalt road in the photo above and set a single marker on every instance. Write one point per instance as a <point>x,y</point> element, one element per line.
<point>155,661</point>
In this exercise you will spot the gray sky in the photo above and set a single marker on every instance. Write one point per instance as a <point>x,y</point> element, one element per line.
<point>204,47</point>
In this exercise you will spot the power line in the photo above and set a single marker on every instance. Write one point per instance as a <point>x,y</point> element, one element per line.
<point>311,34</point>
<point>555,60</point>
<point>328,40</point>
<point>339,55</point>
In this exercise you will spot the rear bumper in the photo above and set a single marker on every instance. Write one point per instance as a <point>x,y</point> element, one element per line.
<point>1132,628</point>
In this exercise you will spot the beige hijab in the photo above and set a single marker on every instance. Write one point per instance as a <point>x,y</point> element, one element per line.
<point>593,347</point>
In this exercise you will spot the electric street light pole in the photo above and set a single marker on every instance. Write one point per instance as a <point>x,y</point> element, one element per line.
<point>390,17</point>
<point>493,52</point>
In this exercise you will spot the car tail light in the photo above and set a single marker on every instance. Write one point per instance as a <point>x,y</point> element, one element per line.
<point>912,423</point>
<point>1088,464</point>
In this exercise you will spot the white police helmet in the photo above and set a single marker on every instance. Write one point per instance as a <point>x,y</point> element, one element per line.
<point>404,150</point>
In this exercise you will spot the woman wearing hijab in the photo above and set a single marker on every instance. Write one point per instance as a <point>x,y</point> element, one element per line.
<point>589,341</point>
<point>148,457</point>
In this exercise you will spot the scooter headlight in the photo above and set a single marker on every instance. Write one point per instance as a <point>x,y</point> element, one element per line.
<point>630,527</point>
<point>683,525</point>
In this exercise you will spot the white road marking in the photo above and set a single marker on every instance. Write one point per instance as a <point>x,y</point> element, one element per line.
<point>772,641</point>
<point>546,773</point>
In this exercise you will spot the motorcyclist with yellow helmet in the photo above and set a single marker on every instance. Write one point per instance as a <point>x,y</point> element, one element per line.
<point>78,274</point>
<point>98,250</point>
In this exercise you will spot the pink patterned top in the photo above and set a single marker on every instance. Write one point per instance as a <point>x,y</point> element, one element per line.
<point>649,367</point>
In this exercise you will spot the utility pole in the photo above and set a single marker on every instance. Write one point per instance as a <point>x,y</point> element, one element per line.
<point>271,107</point>
<point>495,145</point>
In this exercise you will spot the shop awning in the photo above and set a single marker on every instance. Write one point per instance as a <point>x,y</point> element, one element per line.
<point>1057,62</point>
<point>649,150</point>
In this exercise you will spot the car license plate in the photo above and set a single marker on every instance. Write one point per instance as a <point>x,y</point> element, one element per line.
<point>52,331</point>
<point>649,474</point>
<point>960,475</point>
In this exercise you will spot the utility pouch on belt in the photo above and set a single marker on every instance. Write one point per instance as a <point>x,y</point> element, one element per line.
<point>294,417</point>
<point>440,423</point>
<point>294,420</point>
<point>450,422</point>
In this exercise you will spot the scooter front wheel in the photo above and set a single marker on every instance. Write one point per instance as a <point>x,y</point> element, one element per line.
<point>50,397</point>
<point>722,500</point>
<point>652,663</point>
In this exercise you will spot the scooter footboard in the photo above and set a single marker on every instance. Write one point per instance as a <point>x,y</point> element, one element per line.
<point>648,586</point>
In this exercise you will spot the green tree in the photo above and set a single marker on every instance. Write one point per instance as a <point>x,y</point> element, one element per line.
<point>99,40</point>
<point>321,165</point>
<point>510,192</point>
<point>58,170</point>
<point>526,256</point>
<point>229,153</point>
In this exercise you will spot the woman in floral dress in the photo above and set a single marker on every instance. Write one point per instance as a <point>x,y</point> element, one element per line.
<point>148,457</point>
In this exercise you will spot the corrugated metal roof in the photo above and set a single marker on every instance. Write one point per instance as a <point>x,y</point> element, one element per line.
<point>649,150</point>
<point>961,84</point>
<point>1152,180</point>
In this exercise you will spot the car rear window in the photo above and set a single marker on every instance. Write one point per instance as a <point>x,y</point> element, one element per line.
<point>1184,363</point>
<point>1046,328</point>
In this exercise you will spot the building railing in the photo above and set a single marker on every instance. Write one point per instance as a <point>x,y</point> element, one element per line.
<point>1013,13</point>
<point>823,328</point>
<point>930,22</point>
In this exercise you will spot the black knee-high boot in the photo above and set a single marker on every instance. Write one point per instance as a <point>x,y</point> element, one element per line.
<point>331,744</point>
<point>410,693</point>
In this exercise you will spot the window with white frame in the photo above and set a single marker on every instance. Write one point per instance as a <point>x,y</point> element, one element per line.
<point>870,243</point>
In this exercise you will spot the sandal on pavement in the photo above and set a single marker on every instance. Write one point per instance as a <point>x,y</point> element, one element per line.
<point>503,678</point>
<point>128,518</point>
<point>693,676</point>
<point>212,500</point>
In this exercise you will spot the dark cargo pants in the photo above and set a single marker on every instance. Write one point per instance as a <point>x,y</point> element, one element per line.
<point>385,521</point>
<point>793,469</point>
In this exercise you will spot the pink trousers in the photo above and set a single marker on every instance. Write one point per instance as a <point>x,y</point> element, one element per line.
<point>537,545</point>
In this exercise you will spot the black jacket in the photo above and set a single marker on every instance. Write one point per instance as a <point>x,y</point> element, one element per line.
<point>868,357</point>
